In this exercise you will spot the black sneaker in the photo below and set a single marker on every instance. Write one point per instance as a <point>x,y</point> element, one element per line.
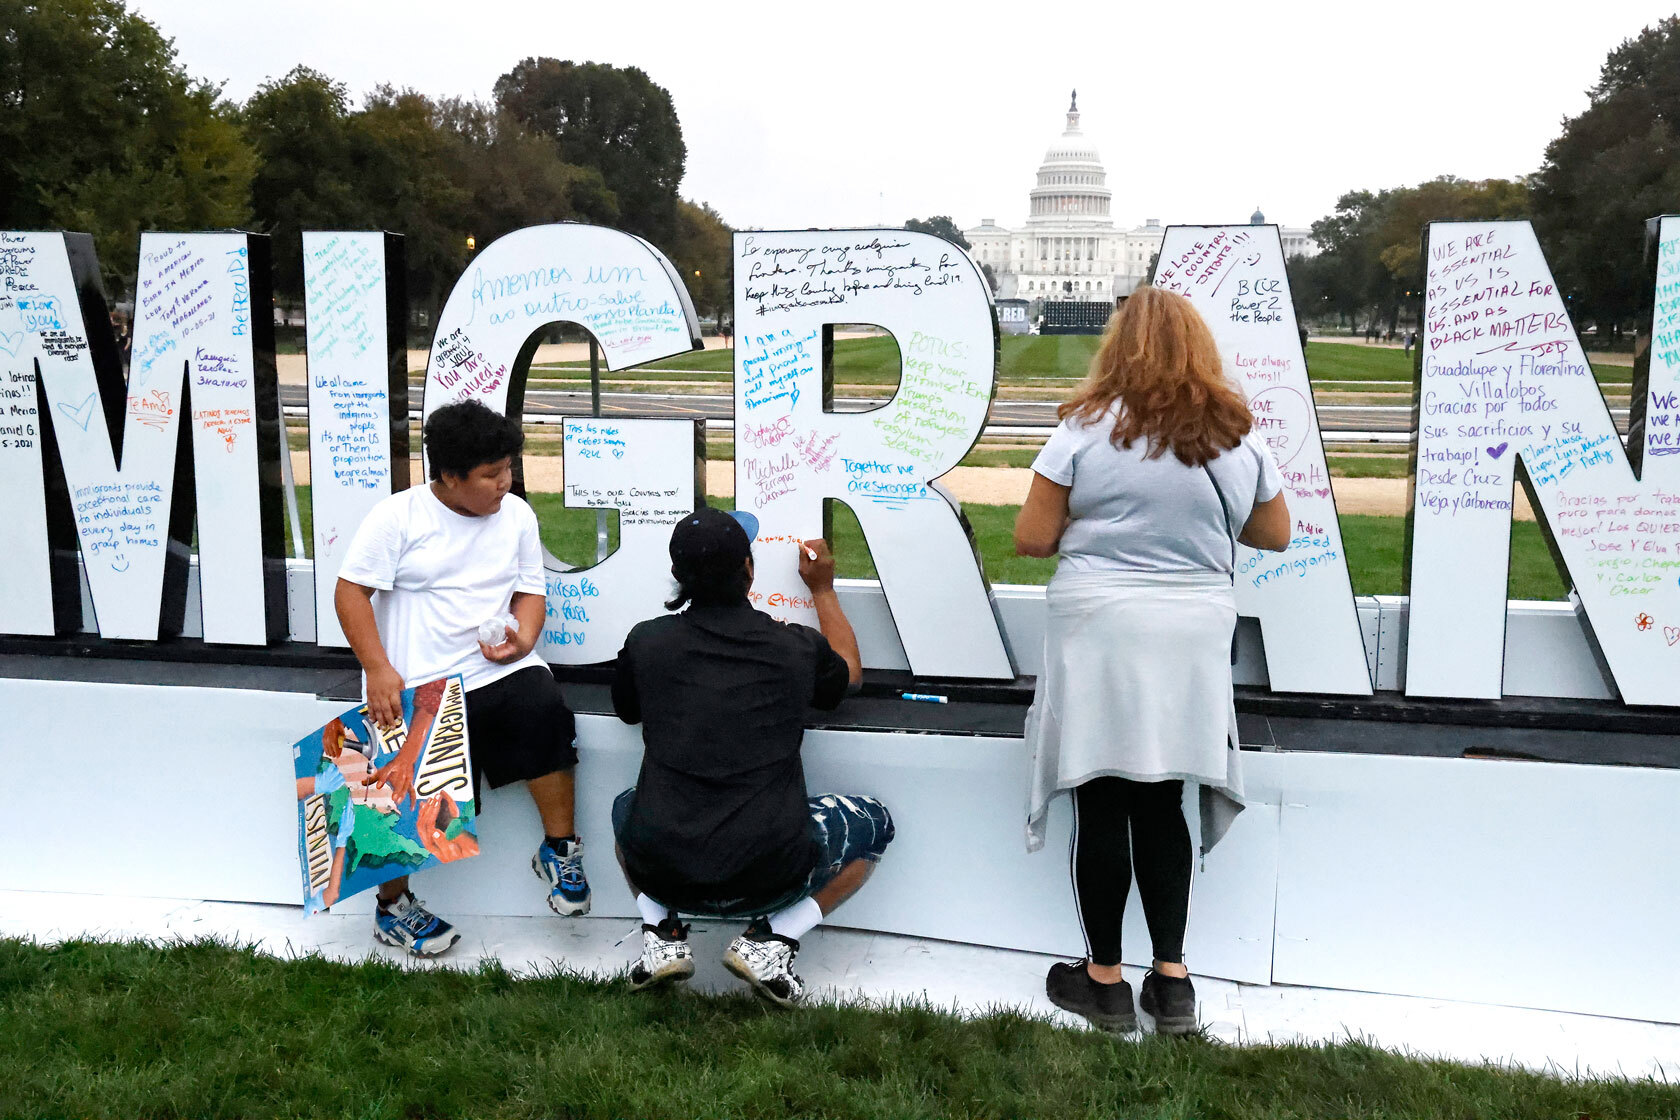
<point>1107,1007</point>
<point>1170,1001</point>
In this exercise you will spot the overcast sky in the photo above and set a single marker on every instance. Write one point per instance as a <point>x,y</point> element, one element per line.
<point>866,112</point>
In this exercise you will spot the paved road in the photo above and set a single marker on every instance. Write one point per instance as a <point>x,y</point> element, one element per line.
<point>551,402</point>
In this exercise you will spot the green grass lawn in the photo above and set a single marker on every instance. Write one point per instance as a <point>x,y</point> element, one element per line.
<point>1061,357</point>
<point>1026,360</point>
<point>1342,361</point>
<point>1376,549</point>
<point>1369,466</point>
<point>1375,546</point>
<point>1001,456</point>
<point>1354,361</point>
<point>857,361</point>
<point>568,533</point>
<point>1019,453</point>
<point>197,1029</point>
<point>867,361</point>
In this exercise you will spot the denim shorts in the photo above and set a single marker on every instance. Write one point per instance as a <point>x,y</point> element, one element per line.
<point>844,827</point>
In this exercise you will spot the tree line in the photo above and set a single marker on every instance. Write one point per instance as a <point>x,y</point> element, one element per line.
<point>1613,166</point>
<point>103,130</point>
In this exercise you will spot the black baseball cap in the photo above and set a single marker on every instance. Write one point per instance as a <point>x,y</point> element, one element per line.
<point>713,537</point>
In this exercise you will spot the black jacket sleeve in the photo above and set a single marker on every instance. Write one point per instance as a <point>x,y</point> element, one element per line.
<point>627,702</point>
<point>834,676</point>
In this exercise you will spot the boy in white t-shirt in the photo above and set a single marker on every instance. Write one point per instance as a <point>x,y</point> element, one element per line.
<point>428,566</point>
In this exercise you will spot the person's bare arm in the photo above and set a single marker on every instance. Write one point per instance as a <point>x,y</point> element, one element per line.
<point>1043,518</point>
<point>816,568</point>
<point>1268,526</point>
<point>354,604</point>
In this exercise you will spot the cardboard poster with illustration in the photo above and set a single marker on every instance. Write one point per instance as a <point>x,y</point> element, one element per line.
<point>376,803</point>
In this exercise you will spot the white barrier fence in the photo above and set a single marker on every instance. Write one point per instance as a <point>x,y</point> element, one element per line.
<point>1549,650</point>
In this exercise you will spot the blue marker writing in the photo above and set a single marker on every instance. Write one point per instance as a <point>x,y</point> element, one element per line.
<point>923,697</point>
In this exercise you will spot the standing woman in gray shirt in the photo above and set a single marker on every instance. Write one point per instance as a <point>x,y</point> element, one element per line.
<point>1143,491</point>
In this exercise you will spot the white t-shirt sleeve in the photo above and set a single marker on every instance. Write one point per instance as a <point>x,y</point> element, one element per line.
<point>1270,483</point>
<point>1055,459</point>
<point>376,548</point>
<point>531,578</point>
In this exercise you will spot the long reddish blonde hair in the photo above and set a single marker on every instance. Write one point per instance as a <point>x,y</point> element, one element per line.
<point>1159,360</point>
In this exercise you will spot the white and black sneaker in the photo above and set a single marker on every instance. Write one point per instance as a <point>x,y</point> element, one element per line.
<point>666,957</point>
<point>562,869</point>
<point>406,923</point>
<point>765,961</point>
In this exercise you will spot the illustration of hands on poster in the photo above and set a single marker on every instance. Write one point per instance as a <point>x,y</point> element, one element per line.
<point>378,803</point>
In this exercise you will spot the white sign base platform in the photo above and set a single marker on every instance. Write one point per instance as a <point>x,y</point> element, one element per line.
<point>1502,881</point>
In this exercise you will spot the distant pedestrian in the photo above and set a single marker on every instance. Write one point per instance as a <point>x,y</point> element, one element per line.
<point>120,328</point>
<point>1411,338</point>
<point>727,329</point>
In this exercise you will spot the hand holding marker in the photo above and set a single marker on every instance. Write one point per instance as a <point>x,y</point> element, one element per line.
<point>811,555</point>
<point>815,560</point>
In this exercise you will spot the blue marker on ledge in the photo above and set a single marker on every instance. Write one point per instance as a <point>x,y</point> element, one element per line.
<point>923,697</point>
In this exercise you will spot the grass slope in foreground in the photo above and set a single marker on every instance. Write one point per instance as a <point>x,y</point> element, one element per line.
<point>197,1029</point>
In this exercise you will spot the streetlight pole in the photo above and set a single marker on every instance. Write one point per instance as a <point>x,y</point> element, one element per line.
<point>595,410</point>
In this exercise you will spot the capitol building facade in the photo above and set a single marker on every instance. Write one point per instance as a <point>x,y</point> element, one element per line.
<point>1069,247</point>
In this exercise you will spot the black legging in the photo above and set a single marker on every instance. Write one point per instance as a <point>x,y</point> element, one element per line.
<point>1119,824</point>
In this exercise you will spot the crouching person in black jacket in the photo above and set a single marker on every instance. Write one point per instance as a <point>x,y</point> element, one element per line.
<point>719,823</point>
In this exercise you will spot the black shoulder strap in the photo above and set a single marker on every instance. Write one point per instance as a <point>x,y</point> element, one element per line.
<point>1231,534</point>
<point>1226,511</point>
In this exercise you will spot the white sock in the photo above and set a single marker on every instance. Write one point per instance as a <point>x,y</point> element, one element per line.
<point>797,920</point>
<point>652,912</point>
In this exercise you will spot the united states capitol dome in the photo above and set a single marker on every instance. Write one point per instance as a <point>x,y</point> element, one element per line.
<point>1071,180</point>
<point>1068,248</point>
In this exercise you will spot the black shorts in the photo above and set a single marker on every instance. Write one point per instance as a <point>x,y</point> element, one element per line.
<point>520,728</point>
